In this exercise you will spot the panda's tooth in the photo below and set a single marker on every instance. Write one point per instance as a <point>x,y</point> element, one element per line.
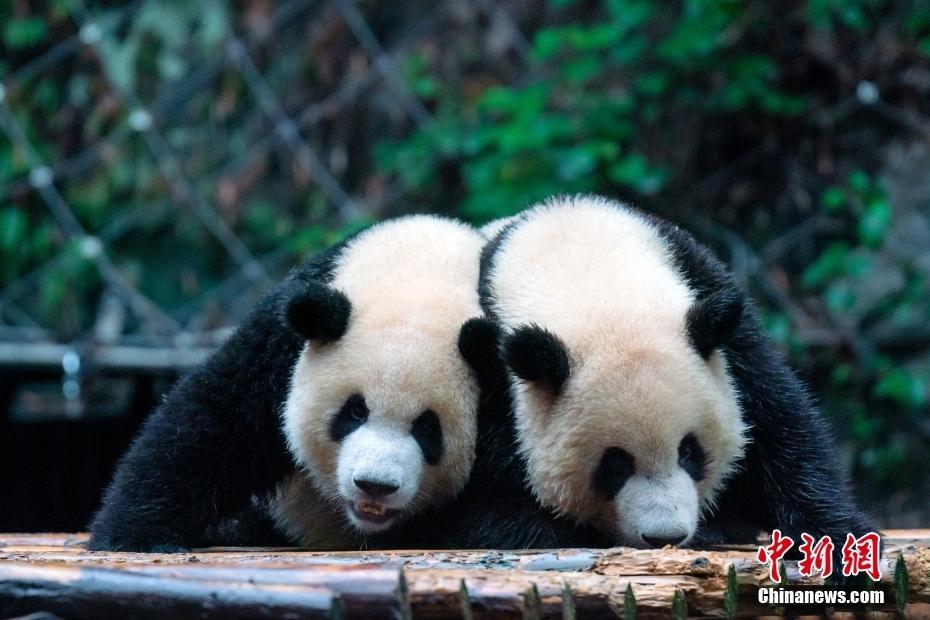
<point>371,508</point>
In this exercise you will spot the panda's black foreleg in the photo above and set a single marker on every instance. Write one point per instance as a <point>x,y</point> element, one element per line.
<point>207,450</point>
<point>187,470</point>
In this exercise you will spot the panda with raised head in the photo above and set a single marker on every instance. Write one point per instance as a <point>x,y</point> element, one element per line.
<point>345,403</point>
<point>647,400</point>
<point>497,509</point>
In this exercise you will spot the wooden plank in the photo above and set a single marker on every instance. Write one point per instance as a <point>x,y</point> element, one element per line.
<point>91,592</point>
<point>617,582</point>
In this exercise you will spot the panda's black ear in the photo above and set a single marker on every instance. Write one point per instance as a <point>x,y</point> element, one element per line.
<point>538,356</point>
<point>316,311</point>
<point>711,321</point>
<point>479,341</point>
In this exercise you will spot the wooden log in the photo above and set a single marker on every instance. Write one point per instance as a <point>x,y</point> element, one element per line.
<point>89,592</point>
<point>371,590</point>
<point>608,583</point>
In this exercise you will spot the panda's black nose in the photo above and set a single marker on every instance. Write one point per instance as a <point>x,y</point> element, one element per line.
<point>661,541</point>
<point>375,489</point>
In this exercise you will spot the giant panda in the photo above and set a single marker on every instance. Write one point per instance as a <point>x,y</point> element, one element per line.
<point>345,403</point>
<point>647,399</point>
<point>497,509</point>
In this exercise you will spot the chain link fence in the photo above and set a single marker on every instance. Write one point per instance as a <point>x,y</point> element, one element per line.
<point>189,172</point>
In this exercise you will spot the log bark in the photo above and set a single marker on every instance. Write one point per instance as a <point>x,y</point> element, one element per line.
<point>54,573</point>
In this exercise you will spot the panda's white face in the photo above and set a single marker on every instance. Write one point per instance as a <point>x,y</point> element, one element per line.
<point>624,408</point>
<point>382,408</point>
<point>384,422</point>
<point>661,431</point>
<point>379,468</point>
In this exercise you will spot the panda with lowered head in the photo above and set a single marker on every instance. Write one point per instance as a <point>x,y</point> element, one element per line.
<point>343,405</point>
<point>647,400</point>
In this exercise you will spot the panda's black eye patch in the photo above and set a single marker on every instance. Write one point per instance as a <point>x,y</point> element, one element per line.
<point>692,458</point>
<point>354,413</point>
<point>615,468</point>
<point>427,431</point>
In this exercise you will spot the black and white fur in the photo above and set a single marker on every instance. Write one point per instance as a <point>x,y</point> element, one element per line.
<point>345,398</point>
<point>496,509</point>
<point>647,399</point>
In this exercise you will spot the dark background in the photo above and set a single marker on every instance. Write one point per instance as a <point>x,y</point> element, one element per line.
<point>162,163</point>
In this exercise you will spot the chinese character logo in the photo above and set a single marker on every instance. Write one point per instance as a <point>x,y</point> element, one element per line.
<point>861,555</point>
<point>771,554</point>
<point>817,557</point>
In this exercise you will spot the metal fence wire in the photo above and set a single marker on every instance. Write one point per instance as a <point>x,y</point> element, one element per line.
<point>234,155</point>
<point>276,146</point>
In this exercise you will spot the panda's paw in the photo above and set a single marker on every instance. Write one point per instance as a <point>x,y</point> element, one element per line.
<point>168,548</point>
<point>136,545</point>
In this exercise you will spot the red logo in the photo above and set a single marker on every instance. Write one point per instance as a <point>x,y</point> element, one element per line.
<point>817,557</point>
<point>773,553</point>
<point>859,555</point>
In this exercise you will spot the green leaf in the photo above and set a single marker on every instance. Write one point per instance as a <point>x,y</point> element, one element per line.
<point>923,46</point>
<point>841,375</point>
<point>859,265</point>
<point>779,327</point>
<point>652,84</point>
<point>859,181</point>
<point>635,171</point>
<point>830,264</point>
<point>598,37</point>
<point>833,199</point>
<point>630,14</point>
<point>840,297</point>
<point>581,69</point>
<point>19,33</point>
<point>13,226</point>
<point>902,387</point>
<point>863,426</point>
<point>873,224</point>
<point>547,43</point>
<point>574,163</point>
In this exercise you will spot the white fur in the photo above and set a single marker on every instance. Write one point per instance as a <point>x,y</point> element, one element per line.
<point>492,228</point>
<point>412,284</point>
<point>305,517</point>
<point>385,453</point>
<point>600,278</point>
<point>663,506</point>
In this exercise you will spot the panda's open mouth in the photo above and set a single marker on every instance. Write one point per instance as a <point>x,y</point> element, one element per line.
<point>372,512</point>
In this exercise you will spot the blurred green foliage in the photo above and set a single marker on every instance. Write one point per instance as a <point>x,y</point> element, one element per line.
<point>575,125</point>
<point>767,127</point>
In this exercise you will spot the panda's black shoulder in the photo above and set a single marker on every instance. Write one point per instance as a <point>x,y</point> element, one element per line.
<point>704,273</point>
<point>702,270</point>
<point>758,368</point>
<point>262,340</point>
